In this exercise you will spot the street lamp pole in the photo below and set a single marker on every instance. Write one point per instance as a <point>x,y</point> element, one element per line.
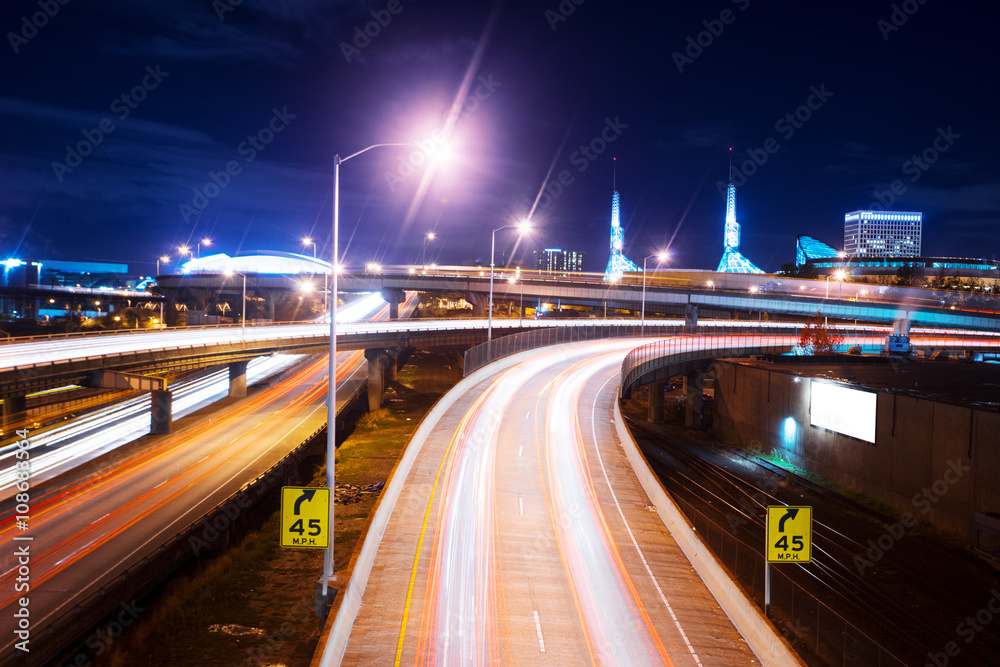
<point>331,395</point>
<point>523,226</point>
<point>661,256</point>
<point>243,317</point>
<point>430,236</point>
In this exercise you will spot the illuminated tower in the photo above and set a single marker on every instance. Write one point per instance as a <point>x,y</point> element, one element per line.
<point>733,260</point>
<point>618,263</point>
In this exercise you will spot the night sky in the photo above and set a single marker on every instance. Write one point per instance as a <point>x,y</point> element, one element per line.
<point>234,110</point>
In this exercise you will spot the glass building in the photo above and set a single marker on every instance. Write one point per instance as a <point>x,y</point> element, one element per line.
<point>808,247</point>
<point>557,260</point>
<point>882,233</point>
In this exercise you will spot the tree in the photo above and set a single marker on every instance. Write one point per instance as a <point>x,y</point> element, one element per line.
<point>817,338</point>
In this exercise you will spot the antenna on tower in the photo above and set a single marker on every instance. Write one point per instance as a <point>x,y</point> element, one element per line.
<point>730,164</point>
<point>614,173</point>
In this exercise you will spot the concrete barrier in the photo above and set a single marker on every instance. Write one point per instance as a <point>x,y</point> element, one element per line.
<point>762,637</point>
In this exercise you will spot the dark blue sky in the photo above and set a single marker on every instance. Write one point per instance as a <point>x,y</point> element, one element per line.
<point>257,96</point>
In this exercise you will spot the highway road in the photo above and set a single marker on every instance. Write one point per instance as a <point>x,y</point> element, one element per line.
<point>522,536</point>
<point>102,520</point>
<point>86,530</point>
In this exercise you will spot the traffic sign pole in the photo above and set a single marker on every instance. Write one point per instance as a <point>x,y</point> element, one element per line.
<point>788,539</point>
<point>767,589</point>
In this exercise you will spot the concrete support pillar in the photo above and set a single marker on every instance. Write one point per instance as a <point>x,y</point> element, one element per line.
<point>394,297</point>
<point>269,298</point>
<point>170,310</point>
<point>377,361</point>
<point>162,412</point>
<point>690,318</point>
<point>655,413</point>
<point>238,379</point>
<point>693,399</point>
<point>478,301</point>
<point>392,364</point>
<point>14,408</point>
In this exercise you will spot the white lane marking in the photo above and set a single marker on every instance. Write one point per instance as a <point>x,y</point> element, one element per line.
<point>520,504</point>
<point>101,519</point>
<point>642,557</point>
<point>520,450</point>
<point>538,629</point>
<point>527,414</point>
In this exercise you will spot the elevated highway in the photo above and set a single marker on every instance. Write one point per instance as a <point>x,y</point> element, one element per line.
<point>514,531</point>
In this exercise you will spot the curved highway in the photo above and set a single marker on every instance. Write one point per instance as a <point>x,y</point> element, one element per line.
<point>522,536</point>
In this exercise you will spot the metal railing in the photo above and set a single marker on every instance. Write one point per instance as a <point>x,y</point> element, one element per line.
<point>498,348</point>
<point>662,353</point>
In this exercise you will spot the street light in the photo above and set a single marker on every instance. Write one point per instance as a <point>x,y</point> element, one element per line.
<point>839,275</point>
<point>243,318</point>
<point>660,257</point>
<point>206,242</point>
<point>523,228</point>
<point>430,236</point>
<point>331,395</point>
<point>164,259</point>
<point>309,241</point>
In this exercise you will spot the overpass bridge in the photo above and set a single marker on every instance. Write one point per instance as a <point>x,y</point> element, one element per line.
<point>686,293</point>
<point>128,360</point>
<point>672,293</point>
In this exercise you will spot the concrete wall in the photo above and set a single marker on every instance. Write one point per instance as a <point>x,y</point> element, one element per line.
<point>939,462</point>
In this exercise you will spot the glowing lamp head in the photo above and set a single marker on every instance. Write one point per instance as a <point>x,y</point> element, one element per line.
<point>524,226</point>
<point>663,256</point>
<point>840,275</point>
<point>165,258</point>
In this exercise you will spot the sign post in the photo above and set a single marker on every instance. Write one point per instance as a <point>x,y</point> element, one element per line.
<point>789,540</point>
<point>305,517</point>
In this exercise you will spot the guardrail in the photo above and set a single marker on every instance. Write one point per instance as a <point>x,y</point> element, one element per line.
<point>662,353</point>
<point>145,571</point>
<point>484,353</point>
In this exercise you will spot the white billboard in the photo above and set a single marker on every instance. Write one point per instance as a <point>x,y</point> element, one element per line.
<point>842,409</point>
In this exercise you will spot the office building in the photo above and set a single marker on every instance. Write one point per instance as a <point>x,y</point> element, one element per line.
<point>882,233</point>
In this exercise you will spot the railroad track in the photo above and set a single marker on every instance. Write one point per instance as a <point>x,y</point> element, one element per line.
<point>833,575</point>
